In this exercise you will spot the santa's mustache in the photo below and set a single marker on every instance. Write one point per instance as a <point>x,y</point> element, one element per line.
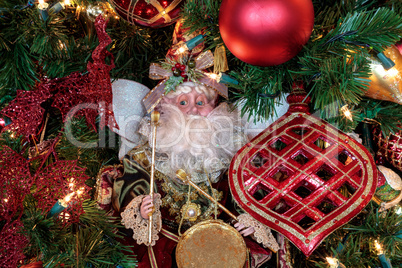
<point>197,133</point>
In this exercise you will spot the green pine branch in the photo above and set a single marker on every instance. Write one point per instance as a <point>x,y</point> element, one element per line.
<point>135,48</point>
<point>260,89</point>
<point>383,114</point>
<point>203,15</point>
<point>18,69</point>
<point>339,81</point>
<point>353,244</point>
<point>92,149</point>
<point>43,233</point>
<point>379,28</point>
<point>329,12</point>
<point>91,241</point>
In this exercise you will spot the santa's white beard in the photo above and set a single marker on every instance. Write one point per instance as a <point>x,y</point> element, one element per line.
<point>200,145</point>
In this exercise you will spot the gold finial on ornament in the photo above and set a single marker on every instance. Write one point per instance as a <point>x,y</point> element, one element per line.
<point>220,60</point>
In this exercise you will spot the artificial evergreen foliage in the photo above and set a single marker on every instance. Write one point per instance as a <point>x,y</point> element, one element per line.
<point>90,243</point>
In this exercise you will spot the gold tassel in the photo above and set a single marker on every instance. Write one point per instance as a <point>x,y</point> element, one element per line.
<point>220,60</point>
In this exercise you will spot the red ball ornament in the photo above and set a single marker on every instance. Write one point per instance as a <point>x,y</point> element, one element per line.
<point>150,13</point>
<point>266,32</point>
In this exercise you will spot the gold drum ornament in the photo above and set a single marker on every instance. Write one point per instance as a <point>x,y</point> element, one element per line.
<point>210,244</point>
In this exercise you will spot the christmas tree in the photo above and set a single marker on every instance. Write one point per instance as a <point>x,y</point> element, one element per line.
<point>57,56</point>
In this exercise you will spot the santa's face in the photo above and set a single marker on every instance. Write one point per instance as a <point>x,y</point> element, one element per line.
<point>192,103</point>
<point>198,144</point>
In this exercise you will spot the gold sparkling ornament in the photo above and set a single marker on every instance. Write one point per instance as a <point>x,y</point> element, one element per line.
<point>387,84</point>
<point>190,211</point>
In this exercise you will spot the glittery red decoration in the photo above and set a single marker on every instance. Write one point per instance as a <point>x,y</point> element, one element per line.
<point>150,13</point>
<point>89,94</point>
<point>58,180</point>
<point>302,177</point>
<point>100,89</point>
<point>12,244</point>
<point>390,147</point>
<point>85,95</point>
<point>25,111</point>
<point>70,99</point>
<point>15,183</point>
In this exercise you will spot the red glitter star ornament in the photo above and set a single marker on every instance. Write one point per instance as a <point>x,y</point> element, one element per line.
<point>15,183</point>
<point>25,111</point>
<point>70,99</point>
<point>13,243</point>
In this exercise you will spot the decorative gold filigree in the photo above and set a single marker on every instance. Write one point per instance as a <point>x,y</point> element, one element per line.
<point>190,211</point>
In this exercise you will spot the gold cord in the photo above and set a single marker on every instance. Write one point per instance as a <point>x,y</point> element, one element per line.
<point>188,202</point>
<point>213,195</point>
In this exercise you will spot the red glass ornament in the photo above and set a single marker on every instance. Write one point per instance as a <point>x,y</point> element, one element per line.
<point>302,177</point>
<point>150,13</point>
<point>266,32</point>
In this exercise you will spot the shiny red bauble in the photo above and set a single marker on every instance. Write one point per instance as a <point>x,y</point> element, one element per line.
<point>150,13</point>
<point>266,32</point>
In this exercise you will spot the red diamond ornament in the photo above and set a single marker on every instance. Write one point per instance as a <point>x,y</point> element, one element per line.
<point>302,177</point>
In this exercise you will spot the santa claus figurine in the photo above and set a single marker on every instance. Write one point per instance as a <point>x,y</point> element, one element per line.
<point>196,134</point>
<point>199,135</point>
